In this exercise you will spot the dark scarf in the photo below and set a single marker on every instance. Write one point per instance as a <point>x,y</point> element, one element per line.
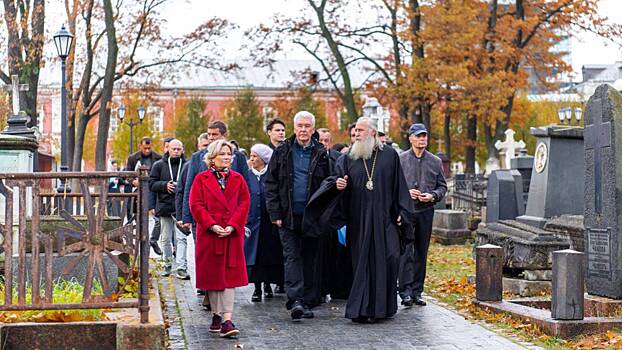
<point>221,176</point>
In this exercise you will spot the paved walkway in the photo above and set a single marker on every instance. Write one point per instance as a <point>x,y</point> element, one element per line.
<point>267,325</point>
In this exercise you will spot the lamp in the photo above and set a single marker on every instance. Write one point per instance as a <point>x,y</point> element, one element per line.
<point>63,40</point>
<point>121,112</point>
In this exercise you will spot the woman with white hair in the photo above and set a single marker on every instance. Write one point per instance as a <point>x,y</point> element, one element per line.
<point>262,247</point>
<point>219,202</point>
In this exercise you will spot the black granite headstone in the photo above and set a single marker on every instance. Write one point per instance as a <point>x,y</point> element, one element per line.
<point>556,185</point>
<point>524,164</point>
<point>603,200</point>
<point>504,198</point>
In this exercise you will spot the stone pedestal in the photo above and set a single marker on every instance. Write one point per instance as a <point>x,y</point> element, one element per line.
<point>567,293</point>
<point>450,227</point>
<point>489,273</point>
<point>17,155</point>
<point>556,186</point>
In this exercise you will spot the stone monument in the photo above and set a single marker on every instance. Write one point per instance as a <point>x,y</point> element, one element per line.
<point>557,180</point>
<point>504,197</point>
<point>450,227</point>
<point>603,199</point>
<point>18,147</point>
<point>509,147</point>
<point>524,164</point>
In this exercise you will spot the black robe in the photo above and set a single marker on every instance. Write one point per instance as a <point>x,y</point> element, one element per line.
<point>373,236</point>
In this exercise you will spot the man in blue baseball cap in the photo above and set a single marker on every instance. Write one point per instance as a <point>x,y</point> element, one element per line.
<point>426,183</point>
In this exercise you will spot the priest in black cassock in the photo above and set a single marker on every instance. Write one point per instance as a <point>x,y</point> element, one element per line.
<point>368,194</point>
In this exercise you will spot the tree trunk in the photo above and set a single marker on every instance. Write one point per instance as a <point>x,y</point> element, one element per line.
<point>404,125</point>
<point>78,152</point>
<point>471,145</point>
<point>348,93</point>
<point>29,45</point>
<point>447,134</point>
<point>104,111</point>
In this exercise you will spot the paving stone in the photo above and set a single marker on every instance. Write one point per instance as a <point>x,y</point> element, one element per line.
<point>267,325</point>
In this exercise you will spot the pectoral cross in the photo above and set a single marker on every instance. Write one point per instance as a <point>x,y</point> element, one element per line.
<point>16,89</point>
<point>597,136</point>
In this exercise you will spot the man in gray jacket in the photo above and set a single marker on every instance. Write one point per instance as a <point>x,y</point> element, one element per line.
<point>426,183</point>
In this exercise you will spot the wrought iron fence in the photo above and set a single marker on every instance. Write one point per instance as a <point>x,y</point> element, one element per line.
<point>468,193</point>
<point>83,235</point>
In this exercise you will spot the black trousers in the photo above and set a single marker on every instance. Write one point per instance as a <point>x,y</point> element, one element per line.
<point>155,233</point>
<point>299,255</point>
<point>413,260</point>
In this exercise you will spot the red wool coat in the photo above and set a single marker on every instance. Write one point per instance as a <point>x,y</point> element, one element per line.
<point>220,261</point>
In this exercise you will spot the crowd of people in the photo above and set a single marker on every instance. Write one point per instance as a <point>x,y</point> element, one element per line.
<point>311,219</point>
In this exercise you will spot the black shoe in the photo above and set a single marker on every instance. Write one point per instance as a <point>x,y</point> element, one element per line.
<point>360,320</point>
<point>268,291</point>
<point>407,301</point>
<point>307,313</point>
<point>200,292</point>
<point>418,300</point>
<point>280,290</point>
<point>297,311</point>
<point>156,247</point>
<point>256,295</point>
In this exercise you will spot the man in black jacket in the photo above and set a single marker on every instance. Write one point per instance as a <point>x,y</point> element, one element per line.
<point>296,170</point>
<point>426,183</point>
<point>163,181</point>
<point>144,157</point>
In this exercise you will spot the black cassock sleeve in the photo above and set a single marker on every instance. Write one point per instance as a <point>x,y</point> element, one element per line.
<point>325,211</point>
<point>402,205</point>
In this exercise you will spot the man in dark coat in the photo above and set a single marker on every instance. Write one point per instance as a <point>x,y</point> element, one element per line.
<point>426,182</point>
<point>216,130</point>
<point>296,170</point>
<point>144,157</point>
<point>163,179</point>
<point>369,195</point>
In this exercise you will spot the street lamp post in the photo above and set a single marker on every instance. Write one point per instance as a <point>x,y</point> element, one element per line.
<point>131,123</point>
<point>63,40</point>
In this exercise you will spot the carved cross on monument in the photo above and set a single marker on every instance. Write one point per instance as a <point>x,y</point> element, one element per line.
<point>509,146</point>
<point>597,137</point>
<point>16,89</point>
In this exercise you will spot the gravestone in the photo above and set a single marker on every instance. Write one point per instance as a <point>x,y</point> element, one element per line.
<point>450,227</point>
<point>508,148</point>
<point>603,199</point>
<point>488,273</point>
<point>567,293</point>
<point>556,186</point>
<point>524,164</point>
<point>504,196</point>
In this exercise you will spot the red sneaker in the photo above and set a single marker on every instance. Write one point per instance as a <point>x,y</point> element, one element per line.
<point>216,324</point>
<point>228,330</point>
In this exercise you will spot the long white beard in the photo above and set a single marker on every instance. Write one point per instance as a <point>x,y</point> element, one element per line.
<point>363,149</point>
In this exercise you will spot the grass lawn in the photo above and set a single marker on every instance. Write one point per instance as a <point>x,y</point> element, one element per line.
<point>447,280</point>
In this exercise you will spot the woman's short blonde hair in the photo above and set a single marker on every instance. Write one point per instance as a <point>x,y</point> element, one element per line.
<point>214,149</point>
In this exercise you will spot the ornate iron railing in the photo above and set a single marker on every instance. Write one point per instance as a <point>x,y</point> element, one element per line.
<point>468,193</point>
<point>88,240</point>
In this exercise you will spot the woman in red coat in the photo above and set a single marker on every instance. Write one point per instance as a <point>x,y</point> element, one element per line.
<point>219,202</point>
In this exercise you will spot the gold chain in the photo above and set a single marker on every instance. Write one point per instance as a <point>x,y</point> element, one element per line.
<point>373,167</point>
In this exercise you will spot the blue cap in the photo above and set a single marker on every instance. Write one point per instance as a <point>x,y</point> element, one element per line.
<point>417,129</point>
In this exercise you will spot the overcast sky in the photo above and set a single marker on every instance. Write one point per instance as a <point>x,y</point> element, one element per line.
<point>184,15</point>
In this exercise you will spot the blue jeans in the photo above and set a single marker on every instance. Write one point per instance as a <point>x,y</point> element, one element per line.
<point>168,228</point>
